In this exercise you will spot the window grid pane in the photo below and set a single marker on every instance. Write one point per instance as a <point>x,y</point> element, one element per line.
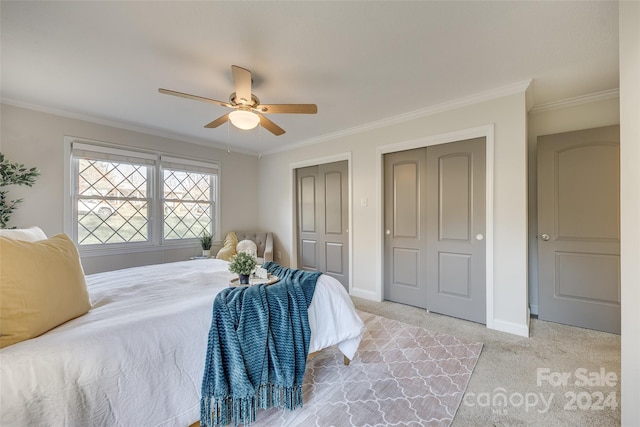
<point>105,178</point>
<point>187,205</point>
<point>112,203</point>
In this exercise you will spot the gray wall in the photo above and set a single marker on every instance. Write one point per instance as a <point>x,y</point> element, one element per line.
<point>507,308</point>
<point>37,139</point>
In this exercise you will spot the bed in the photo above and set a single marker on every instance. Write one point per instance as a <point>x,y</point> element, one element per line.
<point>136,358</point>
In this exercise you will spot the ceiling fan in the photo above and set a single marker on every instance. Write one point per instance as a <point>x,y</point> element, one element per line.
<point>248,111</point>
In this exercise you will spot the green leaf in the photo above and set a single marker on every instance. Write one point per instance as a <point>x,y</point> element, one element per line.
<point>13,173</point>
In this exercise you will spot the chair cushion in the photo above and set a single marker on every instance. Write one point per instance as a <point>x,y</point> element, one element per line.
<point>260,238</point>
<point>42,285</point>
<point>31,234</point>
<point>248,246</point>
<point>228,251</point>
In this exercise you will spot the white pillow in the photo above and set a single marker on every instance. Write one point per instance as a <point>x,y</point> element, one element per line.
<point>248,246</point>
<point>31,234</point>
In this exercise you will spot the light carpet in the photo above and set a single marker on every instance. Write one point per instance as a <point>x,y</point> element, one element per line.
<point>402,375</point>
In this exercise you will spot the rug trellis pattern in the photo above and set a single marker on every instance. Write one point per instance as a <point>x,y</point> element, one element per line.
<point>402,375</point>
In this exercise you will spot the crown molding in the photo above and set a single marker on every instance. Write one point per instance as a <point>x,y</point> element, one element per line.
<point>123,125</point>
<point>511,89</point>
<point>518,87</point>
<point>477,98</point>
<point>575,101</point>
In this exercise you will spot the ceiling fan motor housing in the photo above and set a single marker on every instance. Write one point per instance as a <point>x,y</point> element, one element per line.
<point>233,100</point>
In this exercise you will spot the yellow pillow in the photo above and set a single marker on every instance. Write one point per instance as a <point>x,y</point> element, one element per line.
<point>228,251</point>
<point>42,285</point>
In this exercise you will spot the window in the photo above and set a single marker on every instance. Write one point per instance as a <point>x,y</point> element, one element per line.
<point>187,199</point>
<point>112,202</point>
<point>127,199</point>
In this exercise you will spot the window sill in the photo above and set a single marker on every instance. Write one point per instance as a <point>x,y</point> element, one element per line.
<point>131,249</point>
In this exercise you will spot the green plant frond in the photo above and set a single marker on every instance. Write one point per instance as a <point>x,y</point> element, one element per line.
<point>13,173</point>
<point>206,240</point>
<point>242,263</point>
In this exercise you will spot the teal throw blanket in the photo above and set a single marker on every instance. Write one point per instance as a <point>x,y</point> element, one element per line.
<point>257,348</point>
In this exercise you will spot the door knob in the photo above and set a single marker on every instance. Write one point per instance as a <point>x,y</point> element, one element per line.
<point>479,237</point>
<point>545,237</point>
<point>388,232</point>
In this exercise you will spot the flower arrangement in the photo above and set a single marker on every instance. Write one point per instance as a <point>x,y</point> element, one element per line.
<point>243,263</point>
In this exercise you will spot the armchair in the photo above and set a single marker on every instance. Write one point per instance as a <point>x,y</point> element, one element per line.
<point>262,239</point>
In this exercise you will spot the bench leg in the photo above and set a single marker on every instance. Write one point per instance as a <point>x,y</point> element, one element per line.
<point>346,361</point>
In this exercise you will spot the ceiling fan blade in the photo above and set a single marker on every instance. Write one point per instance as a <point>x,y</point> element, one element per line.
<point>217,122</point>
<point>197,98</point>
<point>270,126</point>
<point>288,108</point>
<point>242,80</point>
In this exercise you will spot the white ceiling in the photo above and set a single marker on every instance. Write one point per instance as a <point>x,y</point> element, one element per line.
<point>360,62</point>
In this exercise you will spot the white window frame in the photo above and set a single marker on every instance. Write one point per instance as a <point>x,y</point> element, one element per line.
<point>156,240</point>
<point>187,165</point>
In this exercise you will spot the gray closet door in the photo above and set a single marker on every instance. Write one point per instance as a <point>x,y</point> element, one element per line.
<point>456,259</point>
<point>405,224</point>
<point>434,228</point>
<point>579,228</point>
<point>323,241</point>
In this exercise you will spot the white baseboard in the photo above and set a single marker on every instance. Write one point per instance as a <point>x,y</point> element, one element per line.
<point>364,294</point>
<point>511,327</point>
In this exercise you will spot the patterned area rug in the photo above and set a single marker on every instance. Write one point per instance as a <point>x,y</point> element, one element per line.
<point>402,375</point>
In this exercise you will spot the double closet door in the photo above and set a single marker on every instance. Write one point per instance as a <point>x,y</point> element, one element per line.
<point>434,247</point>
<point>322,216</point>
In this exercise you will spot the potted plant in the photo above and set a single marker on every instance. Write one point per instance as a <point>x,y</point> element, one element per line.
<point>205,242</point>
<point>12,173</point>
<point>243,264</point>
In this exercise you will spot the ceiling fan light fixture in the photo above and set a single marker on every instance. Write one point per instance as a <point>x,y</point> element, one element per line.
<point>248,112</point>
<point>244,119</point>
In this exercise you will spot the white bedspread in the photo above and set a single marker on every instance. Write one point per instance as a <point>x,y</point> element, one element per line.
<point>137,357</point>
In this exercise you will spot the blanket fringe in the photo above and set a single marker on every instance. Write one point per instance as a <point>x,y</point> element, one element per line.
<point>222,412</point>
